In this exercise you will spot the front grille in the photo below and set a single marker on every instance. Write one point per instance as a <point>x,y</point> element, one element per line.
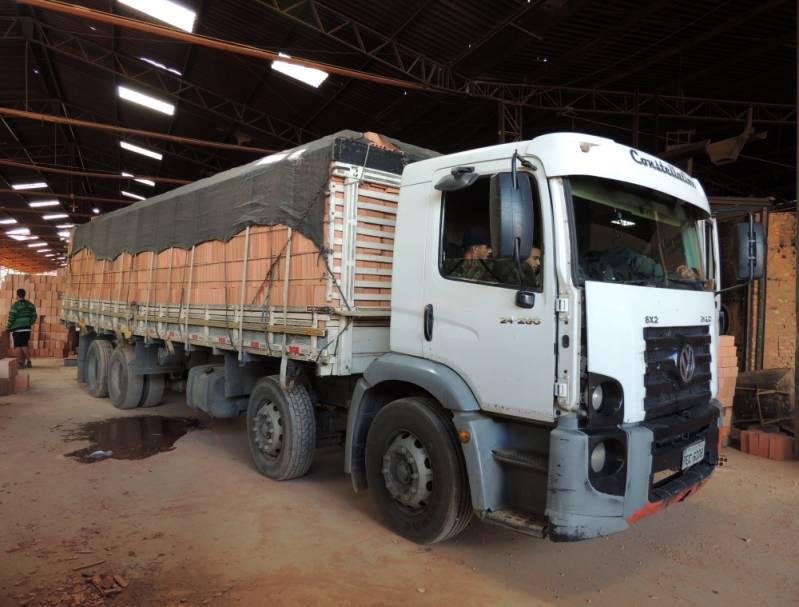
<point>670,436</point>
<point>666,392</point>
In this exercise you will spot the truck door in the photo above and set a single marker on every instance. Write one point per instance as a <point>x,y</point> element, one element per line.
<point>505,353</point>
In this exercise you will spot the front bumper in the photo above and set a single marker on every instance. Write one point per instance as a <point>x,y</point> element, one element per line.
<point>577,510</point>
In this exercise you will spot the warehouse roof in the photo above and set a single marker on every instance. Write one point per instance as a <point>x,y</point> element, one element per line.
<point>653,75</point>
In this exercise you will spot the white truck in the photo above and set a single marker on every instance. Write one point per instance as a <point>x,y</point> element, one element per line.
<point>546,361</point>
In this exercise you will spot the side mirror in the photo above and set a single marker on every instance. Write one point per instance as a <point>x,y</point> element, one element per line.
<point>458,179</point>
<point>750,246</point>
<point>512,219</point>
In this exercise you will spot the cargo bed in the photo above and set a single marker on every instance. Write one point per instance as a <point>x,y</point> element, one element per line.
<point>268,290</point>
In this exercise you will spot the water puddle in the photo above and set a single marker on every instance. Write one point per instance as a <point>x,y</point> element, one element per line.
<point>129,437</point>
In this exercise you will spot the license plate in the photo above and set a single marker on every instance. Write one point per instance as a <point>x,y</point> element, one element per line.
<point>693,454</point>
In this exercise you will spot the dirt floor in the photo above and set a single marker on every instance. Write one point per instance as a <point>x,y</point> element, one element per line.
<point>196,525</point>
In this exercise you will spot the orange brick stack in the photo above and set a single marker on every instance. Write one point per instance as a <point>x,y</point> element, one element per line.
<point>215,277</point>
<point>48,337</point>
<point>728,375</point>
<point>11,380</point>
<point>773,445</point>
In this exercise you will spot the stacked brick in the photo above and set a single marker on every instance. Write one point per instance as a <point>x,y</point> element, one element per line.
<point>12,381</point>
<point>728,376</point>
<point>773,445</point>
<point>48,336</point>
<point>214,273</point>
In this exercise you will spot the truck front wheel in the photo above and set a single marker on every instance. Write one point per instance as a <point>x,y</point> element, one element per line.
<point>281,429</point>
<point>416,472</point>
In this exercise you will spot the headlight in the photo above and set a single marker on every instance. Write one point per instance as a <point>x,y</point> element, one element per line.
<point>598,457</point>
<point>597,395</point>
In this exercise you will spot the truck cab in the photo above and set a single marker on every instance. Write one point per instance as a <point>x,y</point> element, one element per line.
<point>553,301</point>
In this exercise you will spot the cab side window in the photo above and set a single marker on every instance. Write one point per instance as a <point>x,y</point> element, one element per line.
<point>465,248</point>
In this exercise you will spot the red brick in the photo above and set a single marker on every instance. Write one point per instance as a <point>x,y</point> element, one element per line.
<point>780,447</point>
<point>22,382</point>
<point>6,387</point>
<point>8,368</point>
<point>763,444</point>
<point>745,434</point>
<point>754,441</point>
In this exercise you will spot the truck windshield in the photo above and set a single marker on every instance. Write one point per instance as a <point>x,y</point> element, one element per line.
<point>632,235</point>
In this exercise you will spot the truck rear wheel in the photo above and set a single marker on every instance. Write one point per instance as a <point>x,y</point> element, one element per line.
<point>125,386</point>
<point>97,362</point>
<point>416,472</point>
<point>281,429</point>
<point>153,393</point>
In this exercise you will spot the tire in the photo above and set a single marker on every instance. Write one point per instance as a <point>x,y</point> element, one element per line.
<point>97,362</point>
<point>410,441</point>
<point>125,386</point>
<point>287,453</point>
<point>153,392</point>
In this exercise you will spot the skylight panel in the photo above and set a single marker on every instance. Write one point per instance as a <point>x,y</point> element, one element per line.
<point>37,244</point>
<point>36,185</point>
<point>50,255</point>
<point>8,221</point>
<point>132,195</point>
<point>22,231</point>
<point>38,204</point>
<point>65,226</point>
<point>161,66</point>
<point>169,12</point>
<point>145,100</point>
<point>308,75</point>
<point>146,182</point>
<point>63,234</point>
<point>53,216</point>
<point>140,150</point>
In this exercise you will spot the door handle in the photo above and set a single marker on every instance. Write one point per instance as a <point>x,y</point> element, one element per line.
<point>428,322</point>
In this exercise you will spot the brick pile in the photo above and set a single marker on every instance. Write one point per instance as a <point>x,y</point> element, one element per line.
<point>11,380</point>
<point>728,376</point>
<point>773,445</point>
<point>48,336</point>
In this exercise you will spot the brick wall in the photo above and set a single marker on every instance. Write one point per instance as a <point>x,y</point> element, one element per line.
<point>781,292</point>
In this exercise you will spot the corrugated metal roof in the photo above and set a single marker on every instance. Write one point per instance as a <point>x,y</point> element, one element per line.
<point>732,49</point>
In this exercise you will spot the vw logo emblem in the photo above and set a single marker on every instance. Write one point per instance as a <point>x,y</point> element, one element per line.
<point>686,363</point>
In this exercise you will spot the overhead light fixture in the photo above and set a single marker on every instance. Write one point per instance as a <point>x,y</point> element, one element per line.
<point>38,204</point>
<point>625,223</point>
<point>161,66</point>
<point>64,234</point>
<point>22,238</point>
<point>29,186</point>
<point>169,12</point>
<point>96,211</point>
<point>146,182</point>
<point>145,100</point>
<point>42,250</point>
<point>50,255</point>
<point>33,245</point>
<point>139,150</point>
<point>53,216</point>
<point>22,231</point>
<point>65,226</point>
<point>308,75</point>
<point>132,195</point>
<point>7,222</point>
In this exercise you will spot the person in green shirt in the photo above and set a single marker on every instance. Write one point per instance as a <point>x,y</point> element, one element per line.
<point>20,320</point>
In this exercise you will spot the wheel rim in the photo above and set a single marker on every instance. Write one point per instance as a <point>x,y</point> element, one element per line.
<point>408,472</point>
<point>268,429</point>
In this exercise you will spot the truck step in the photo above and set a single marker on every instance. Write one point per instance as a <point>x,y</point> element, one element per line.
<point>529,524</point>
<point>532,461</point>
